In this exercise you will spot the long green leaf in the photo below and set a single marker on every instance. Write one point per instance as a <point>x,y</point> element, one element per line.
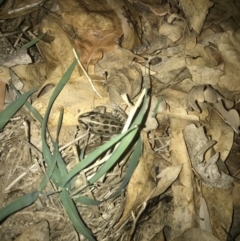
<point>87,200</point>
<point>34,41</point>
<point>133,161</point>
<point>18,204</point>
<point>10,110</point>
<point>74,216</point>
<point>124,144</point>
<point>93,156</point>
<point>56,176</point>
<point>53,97</point>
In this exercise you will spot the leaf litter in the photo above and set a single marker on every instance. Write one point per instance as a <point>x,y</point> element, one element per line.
<point>188,54</point>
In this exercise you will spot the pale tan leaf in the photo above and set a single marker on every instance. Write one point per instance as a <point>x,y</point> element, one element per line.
<point>166,178</point>
<point>196,12</point>
<point>196,94</point>
<point>204,220</point>
<point>173,32</point>
<point>222,132</point>
<point>143,181</point>
<point>130,22</point>
<point>158,9</point>
<point>193,234</point>
<point>211,95</point>
<point>4,75</point>
<point>231,116</point>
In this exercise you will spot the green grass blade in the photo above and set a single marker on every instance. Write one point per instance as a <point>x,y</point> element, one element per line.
<point>87,200</point>
<point>93,156</point>
<point>124,144</point>
<point>74,215</point>
<point>34,41</point>
<point>56,177</point>
<point>53,97</point>
<point>49,172</point>
<point>18,204</point>
<point>10,110</point>
<point>133,161</point>
<point>34,112</point>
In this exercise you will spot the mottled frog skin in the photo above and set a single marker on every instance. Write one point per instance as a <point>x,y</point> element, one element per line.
<point>103,123</point>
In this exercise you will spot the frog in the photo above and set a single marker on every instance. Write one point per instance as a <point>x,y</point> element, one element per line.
<point>102,123</point>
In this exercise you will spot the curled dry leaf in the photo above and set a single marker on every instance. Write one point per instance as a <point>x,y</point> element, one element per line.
<point>122,76</point>
<point>197,144</point>
<point>222,132</point>
<point>196,12</point>
<point>231,116</point>
<point>172,31</point>
<point>210,96</point>
<point>194,96</point>
<point>202,55</point>
<point>130,23</point>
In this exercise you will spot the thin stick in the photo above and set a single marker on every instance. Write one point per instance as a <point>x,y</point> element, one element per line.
<point>84,71</point>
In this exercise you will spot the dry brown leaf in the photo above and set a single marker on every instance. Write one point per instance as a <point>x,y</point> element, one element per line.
<point>196,12</point>
<point>145,180</point>
<point>197,145</point>
<point>57,54</point>
<point>4,75</point>
<point>204,219</point>
<point>122,76</point>
<point>193,234</point>
<point>218,200</point>
<point>229,46</point>
<point>230,116</point>
<point>183,189</point>
<point>209,95</point>
<point>93,43</point>
<point>222,133</point>
<point>172,31</point>
<point>96,32</point>
<point>166,177</point>
<point>196,94</point>
<point>158,9</point>
<point>130,23</point>
<point>202,55</point>
<point>230,7</point>
<point>32,76</point>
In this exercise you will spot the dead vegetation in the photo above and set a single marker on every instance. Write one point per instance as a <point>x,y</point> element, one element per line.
<point>186,54</point>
